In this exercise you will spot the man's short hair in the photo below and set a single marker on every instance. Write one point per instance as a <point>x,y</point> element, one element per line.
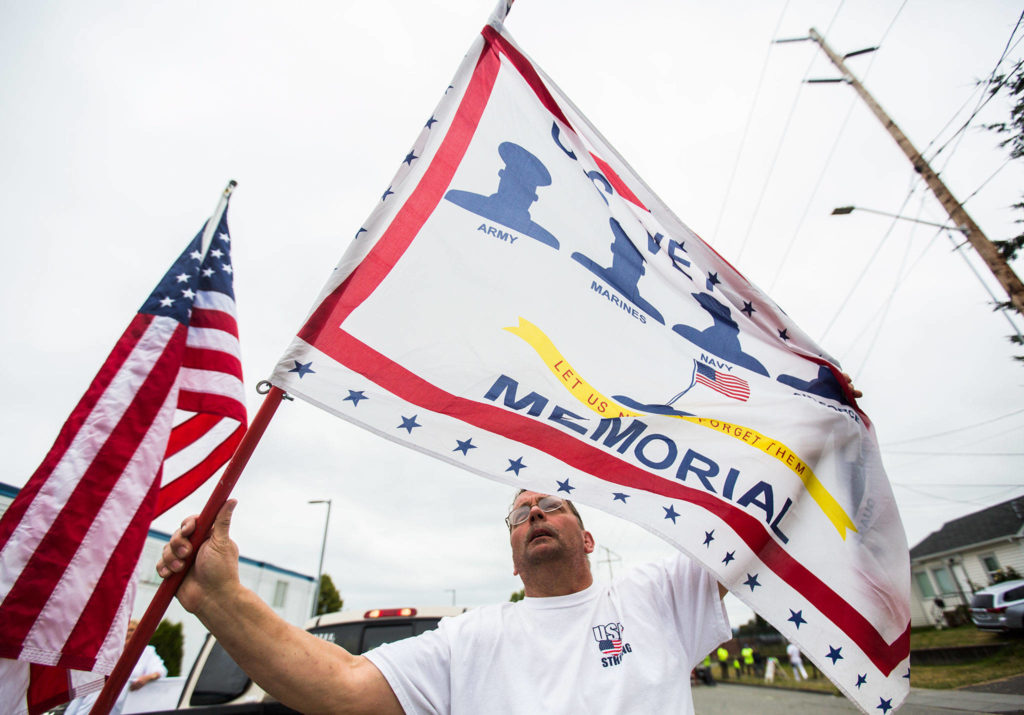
<point>572,507</point>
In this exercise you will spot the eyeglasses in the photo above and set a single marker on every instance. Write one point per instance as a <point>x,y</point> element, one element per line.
<point>521,513</point>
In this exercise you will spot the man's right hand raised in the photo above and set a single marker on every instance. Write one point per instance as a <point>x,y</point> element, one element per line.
<point>215,572</point>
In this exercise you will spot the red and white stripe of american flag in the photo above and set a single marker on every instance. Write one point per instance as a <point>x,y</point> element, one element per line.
<point>211,400</point>
<point>70,541</point>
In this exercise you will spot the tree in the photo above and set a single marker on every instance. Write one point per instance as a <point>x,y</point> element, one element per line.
<point>755,626</point>
<point>169,641</point>
<point>1007,574</point>
<point>329,599</point>
<point>518,595</point>
<point>1011,84</point>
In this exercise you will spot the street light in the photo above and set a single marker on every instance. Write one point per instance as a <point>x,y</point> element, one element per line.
<point>844,210</point>
<point>323,547</point>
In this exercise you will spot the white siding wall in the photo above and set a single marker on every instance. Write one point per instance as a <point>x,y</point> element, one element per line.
<point>970,571</point>
<point>253,575</point>
<point>261,578</point>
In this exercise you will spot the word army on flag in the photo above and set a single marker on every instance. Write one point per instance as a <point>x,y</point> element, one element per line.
<point>164,413</point>
<point>522,305</point>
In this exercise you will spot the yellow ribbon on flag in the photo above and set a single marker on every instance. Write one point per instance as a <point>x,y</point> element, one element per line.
<point>606,407</point>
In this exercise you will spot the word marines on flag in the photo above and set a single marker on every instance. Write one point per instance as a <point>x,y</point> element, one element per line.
<point>519,303</point>
<point>163,414</point>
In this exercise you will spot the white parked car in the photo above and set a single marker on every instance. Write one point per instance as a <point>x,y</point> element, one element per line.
<point>999,607</point>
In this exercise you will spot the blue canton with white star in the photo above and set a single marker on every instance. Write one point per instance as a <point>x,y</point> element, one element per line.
<point>176,292</point>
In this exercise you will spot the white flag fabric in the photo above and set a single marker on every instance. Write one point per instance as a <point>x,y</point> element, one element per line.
<point>521,304</point>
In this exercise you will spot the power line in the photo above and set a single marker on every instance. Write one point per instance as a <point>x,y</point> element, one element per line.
<point>778,147</point>
<point>750,117</point>
<point>956,454</point>
<point>963,486</point>
<point>953,431</point>
<point>856,283</point>
<point>986,98</point>
<point>831,153</point>
<point>985,182</point>
<point>921,492</point>
<point>890,299</point>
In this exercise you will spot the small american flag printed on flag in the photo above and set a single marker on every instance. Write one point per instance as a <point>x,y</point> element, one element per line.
<point>734,387</point>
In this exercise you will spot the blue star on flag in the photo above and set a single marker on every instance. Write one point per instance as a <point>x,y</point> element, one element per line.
<point>907,674</point>
<point>408,423</point>
<point>783,334</point>
<point>862,678</point>
<point>430,123</point>
<point>709,536</point>
<point>729,556</point>
<point>751,581</point>
<point>386,194</point>
<point>713,280</point>
<point>410,158</point>
<point>670,512</point>
<point>884,705</point>
<point>748,308</point>
<point>514,465</point>
<point>303,368</point>
<point>464,446</point>
<point>835,654</point>
<point>796,617</point>
<point>619,496</point>
<point>354,396</point>
<point>565,486</point>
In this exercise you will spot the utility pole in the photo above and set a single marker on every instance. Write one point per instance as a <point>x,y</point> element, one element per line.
<point>985,248</point>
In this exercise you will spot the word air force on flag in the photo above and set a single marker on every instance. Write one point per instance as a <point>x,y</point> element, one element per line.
<point>522,305</point>
<point>165,411</point>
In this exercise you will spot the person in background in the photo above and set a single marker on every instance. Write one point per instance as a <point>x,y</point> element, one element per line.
<point>149,667</point>
<point>796,662</point>
<point>723,661</point>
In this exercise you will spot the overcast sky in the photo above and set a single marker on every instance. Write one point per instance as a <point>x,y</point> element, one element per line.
<point>123,121</point>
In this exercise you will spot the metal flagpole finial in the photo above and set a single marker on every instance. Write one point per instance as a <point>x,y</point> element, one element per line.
<point>214,221</point>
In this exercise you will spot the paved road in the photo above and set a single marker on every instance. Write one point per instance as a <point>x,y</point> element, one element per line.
<point>730,699</point>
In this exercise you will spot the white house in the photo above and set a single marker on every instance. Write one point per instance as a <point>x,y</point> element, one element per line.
<point>964,556</point>
<point>288,592</point>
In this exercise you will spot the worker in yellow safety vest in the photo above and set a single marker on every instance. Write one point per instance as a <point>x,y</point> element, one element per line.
<point>723,661</point>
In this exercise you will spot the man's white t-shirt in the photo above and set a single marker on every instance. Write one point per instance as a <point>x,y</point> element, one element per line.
<point>627,647</point>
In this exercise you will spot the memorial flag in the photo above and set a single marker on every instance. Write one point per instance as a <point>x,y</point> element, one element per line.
<point>522,305</point>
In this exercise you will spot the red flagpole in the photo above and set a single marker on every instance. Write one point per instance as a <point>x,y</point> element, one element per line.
<point>158,606</point>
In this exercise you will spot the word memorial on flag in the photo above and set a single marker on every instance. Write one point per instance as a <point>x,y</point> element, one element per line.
<point>164,413</point>
<point>519,303</point>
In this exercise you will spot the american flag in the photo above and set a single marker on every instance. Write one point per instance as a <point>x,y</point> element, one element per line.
<point>735,387</point>
<point>611,647</point>
<point>165,412</point>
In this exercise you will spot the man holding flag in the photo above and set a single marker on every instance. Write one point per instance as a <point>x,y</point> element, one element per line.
<point>521,305</point>
<point>570,646</point>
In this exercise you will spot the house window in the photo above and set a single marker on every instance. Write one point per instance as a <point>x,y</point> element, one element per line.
<point>991,565</point>
<point>943,580</point>
<point>280,594</point>
<point>924,584</point>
